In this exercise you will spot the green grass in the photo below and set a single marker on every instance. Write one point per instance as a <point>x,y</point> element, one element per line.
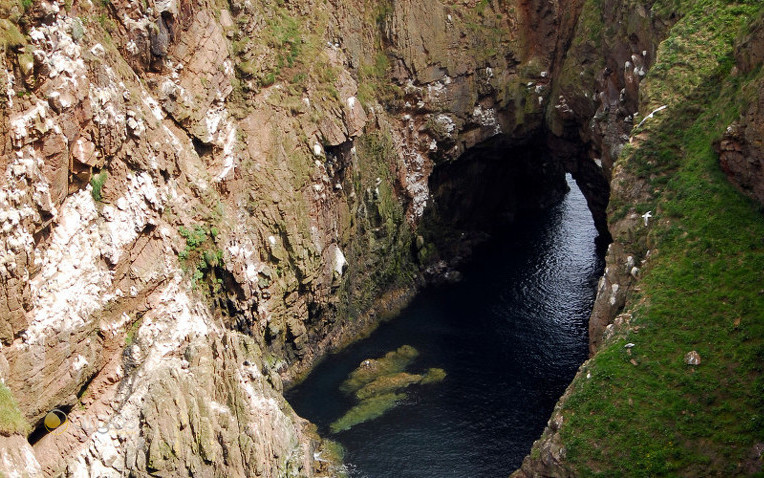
<point>131,331</point>
<point>97,182</point>
<point>11,419</point>
<point>373,85</point>
<point>702,289</point>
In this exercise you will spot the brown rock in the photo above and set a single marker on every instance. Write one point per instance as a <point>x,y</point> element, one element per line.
<point>741,152</point>
<point>750,53</point>
<point>332,131</point>
<point>83,151</point>
<point>355,117</point>
<point>56,168</point>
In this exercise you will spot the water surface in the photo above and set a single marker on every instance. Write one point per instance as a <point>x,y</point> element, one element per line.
<point>510,336</point>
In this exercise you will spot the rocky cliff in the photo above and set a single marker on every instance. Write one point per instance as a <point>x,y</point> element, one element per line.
<point>201,199</point>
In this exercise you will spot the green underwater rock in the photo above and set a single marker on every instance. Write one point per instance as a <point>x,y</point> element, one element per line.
<point>368,409</point>
<point>434,375</point>
<point>387,383</point>
<point>377,385</point>
<point>371,369</point>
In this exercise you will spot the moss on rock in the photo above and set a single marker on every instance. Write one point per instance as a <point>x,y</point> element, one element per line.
<point>378,383</point>
<point>372,369</point>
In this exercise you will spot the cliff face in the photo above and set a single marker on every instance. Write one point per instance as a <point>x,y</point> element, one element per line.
<point>201,199</point>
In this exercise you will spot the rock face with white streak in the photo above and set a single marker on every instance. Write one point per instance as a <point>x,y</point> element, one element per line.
<point>17,458</point>
<point>198,203</point>
<point>223,409</point>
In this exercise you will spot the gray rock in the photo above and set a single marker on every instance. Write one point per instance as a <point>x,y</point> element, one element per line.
<point>160,38</point>
<point>692,358</point>
<point>78,30</point>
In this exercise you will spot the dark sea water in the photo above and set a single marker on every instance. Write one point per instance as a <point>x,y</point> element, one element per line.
<point>510,336</point>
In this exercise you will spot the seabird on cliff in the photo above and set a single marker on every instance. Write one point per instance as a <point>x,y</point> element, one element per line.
<point>646,216</point>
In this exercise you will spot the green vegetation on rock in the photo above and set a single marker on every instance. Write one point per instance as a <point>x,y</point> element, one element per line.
<point>381,237</point>
<point>373,85</point>
<point>131,331</point>
<point>11,418</point>
<point>202,254</point>
<point>11,36</point>
<point>97,182</point>
<point>643,411</point>
<point>378,383</point>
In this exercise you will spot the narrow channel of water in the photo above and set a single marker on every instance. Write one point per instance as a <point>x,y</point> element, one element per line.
<point>510,337</point>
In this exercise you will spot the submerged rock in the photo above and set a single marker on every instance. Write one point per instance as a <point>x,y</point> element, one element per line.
<point>387,383</point>
<point>371,369</point>
<point>377,385</point>
<point>368,409</point>
<point>434,375</point>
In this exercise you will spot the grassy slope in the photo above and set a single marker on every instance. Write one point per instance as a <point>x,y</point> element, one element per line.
<point>702,289</point>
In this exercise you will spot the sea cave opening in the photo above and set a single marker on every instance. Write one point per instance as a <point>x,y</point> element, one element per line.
<point>482,193</point>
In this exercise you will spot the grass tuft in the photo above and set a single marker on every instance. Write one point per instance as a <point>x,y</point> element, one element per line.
<point>97,182</point>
